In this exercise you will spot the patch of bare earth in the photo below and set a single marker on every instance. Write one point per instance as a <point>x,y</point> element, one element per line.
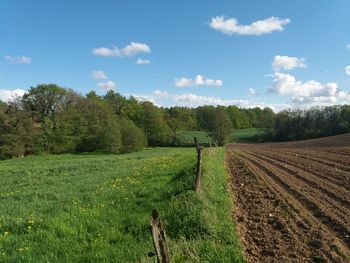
<point>292,200</point>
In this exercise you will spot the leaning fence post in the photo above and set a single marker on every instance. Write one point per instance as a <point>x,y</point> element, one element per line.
<point>159,238</point>
<point>209,141</point>
<point>199,163</point>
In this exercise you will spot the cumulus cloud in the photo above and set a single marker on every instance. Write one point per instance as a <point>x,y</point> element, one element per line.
<point>7,95</point>
<point>231,26</point>
<point>164,98</point>
<point>18,59</point>
<point>309,93</point>
<point>99,74</point>
<point>108,85</point>
<point>197,81</point>
<point>128,51</point>
<point>145,97</point>
<point>160,94</point>
<point>285,84</point>
<point>141,61</point>
<point>287,63</point>
<point>347,70</point>
<point>193,100</point>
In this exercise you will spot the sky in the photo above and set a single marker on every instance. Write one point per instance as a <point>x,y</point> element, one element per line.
<point>280,54</point>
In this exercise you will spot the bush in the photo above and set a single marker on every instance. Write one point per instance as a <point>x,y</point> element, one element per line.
<point>133,138</point>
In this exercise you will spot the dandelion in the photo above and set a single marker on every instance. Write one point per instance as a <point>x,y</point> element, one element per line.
<point>22,249</point>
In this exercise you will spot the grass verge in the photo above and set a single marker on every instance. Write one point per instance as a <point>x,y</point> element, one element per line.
<point>211,237</point>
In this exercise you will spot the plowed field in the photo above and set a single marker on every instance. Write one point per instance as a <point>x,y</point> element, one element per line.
<point>292,200</point>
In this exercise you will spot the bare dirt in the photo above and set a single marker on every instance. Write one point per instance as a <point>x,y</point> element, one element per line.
<point>292,200</point>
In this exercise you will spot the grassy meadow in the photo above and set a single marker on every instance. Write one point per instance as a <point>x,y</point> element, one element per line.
<point>96,207</point>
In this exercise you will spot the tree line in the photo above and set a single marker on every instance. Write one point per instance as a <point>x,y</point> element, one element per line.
<point>52,119</point>
<point>316,122</point>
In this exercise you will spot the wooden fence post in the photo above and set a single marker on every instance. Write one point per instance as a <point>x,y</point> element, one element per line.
<point>199,163</point>
<point>159,238</point>
<point>209,141</point>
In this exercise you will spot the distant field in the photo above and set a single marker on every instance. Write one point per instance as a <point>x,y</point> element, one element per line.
<point>96,208</point>
<point>243,135</point>
<point>186,137</point>
<point>246,135</point>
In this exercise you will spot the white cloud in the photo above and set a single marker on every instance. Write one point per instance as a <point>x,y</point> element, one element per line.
<point>193,100</point>
<point>18,59</point>
<point>287,63</point>
<point>285,84</point>
<point>141,61</point>
<point>8,95</point>
<point>309,93</point>
<point>231,26</point>
<point>348,46</point>
<point>307,102</point>
<point>197,81</point>
<point>252,92</point>
<point>164,98</point>
<point>108,85</point>
<point>160,94</point>
<point>128,51</point>
<point>99,74</point>
<point>145,97</point>
<point>347,70</point>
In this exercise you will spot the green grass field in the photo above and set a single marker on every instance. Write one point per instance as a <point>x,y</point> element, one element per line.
<point>247,135</point>
<point>96,208</point>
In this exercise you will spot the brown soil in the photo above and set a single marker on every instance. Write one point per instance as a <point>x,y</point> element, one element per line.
<point>292,200</point>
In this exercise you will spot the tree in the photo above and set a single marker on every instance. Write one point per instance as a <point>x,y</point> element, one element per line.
<point>223,125</point>
<point>239,117</point>
<point>44,102</point>
<point>133,138</point>
<point>266,120</point>
<point>179,118</point>
<point>98,127</point>
<point>16,132</point>
<point>154,125</point>
<point>206,118</point>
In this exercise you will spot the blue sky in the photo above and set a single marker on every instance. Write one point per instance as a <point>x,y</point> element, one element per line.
<point>249,53</point>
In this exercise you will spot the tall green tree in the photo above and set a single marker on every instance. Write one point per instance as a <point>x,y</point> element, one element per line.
<point>17,132</point>
<point>223,125</point>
